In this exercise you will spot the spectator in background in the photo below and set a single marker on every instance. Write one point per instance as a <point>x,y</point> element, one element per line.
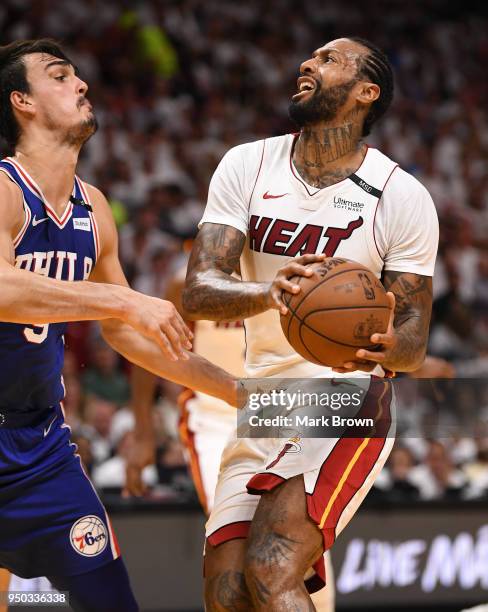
<point>394,480</point>
<point>111,473</point>
<point>155,280</point>
<point>140,239</point>
<point>477,470</point>
<point>103,378</point>
<point>171,465</point>
<point>98,415</point>
<point>437,478</point>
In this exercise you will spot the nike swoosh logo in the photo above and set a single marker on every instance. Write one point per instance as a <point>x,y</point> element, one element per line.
<point>48,428</point>
<point>37,221</point>
<point>269,196</point>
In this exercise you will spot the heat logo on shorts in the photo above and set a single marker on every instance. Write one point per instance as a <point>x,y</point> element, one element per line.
<point>292,446</point>
<point>88,536</point>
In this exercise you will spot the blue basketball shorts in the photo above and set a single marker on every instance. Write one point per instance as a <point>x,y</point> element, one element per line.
<point>52,521</point>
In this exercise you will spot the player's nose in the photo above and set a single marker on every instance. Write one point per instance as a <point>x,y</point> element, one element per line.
<point>306,67</point>
<point>82,87</point>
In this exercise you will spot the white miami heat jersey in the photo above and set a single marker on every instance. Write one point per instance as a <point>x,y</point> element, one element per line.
<point>380,216</point>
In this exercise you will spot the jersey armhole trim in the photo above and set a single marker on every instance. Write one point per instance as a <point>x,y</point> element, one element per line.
<point>27,211</point>
<point>257,176</point>
<point>376,210</point>
<point>86,197</point>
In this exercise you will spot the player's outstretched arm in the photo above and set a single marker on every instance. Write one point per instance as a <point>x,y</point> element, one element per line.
<point>194,372</point>
<point>212,293</point>
<point>36,299</point>
<point>403,347</point>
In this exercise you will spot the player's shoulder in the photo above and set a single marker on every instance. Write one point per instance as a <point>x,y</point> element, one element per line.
<point>11,200</point>
<point>400,185</point>
<point>101,210</point>
<point>9,189</point>
<point>98,201</point>
<point>95,195</point>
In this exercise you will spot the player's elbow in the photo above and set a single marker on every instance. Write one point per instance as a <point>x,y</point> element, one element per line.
<point>192,307</point>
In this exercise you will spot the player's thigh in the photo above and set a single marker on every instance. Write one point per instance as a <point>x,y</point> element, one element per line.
<point>225,584</point>
<point>283,537</point>
<point>104,589</point>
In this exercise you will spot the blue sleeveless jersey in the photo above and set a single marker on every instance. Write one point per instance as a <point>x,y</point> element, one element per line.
<point>65,248</point>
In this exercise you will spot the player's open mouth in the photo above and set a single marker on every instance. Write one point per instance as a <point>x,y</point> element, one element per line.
<point>305,86</point>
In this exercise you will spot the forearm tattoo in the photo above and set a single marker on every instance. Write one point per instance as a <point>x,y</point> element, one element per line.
<point>413,294</point>
<point>210,290</point>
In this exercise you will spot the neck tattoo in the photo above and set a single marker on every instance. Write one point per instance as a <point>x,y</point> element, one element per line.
<point>316,148</point>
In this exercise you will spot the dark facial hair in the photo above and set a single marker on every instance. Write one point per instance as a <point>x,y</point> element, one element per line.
<point>322,105</point>
<point>82,132</point>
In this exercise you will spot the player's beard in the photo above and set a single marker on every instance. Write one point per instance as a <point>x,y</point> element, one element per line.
<point>79,134</point>
<point>322,105</point>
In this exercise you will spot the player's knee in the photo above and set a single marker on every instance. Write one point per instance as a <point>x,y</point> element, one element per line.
<point>271,561</point>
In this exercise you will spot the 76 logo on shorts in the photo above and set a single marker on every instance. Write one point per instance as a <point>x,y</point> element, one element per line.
<point>88,536</point>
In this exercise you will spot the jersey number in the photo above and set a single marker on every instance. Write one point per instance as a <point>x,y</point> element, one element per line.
<point>36,333</point>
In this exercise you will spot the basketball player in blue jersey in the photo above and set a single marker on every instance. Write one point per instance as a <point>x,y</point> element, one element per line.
<point>59,263</point>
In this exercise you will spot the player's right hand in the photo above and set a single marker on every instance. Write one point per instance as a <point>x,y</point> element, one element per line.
<point>141,454</point>
<point>159,320</point>
<point>282,282</point>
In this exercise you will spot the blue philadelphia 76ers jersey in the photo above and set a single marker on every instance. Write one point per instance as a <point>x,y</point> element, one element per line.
<point>65,248</point>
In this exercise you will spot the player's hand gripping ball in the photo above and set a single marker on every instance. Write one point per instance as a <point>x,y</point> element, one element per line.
<point>335,313</point>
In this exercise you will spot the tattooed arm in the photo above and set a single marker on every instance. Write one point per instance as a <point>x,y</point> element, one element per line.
<point>404,345</point>
<point>413,307</point>
<point>212,293</point>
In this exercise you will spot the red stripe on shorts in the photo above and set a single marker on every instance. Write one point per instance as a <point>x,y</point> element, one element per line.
<point>345,470</point>
<point>232,531</point>
<point>187,436</point>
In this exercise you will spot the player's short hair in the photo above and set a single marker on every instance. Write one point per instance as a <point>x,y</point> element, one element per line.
<point>375,67</point>
<point>13,77</point>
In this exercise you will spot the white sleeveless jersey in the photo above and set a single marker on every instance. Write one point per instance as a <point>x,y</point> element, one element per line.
<point>379,216</point>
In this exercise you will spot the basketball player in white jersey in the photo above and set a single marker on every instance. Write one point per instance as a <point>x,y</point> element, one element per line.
<point>274,206</point>
<point>206,423</point>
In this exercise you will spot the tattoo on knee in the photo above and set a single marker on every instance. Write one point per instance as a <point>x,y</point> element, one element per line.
<point>259,591</point>
<point>228,592</point>
<point>271,548</point>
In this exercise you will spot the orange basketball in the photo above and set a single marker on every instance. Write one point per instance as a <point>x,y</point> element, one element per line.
<point>336,311</point>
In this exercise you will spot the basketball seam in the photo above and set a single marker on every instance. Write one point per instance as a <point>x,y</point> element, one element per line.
<point>346,308</point>
<point>305,346</point>
<point>303,322</point>
<point>288,305</point>
<point>328,278</point>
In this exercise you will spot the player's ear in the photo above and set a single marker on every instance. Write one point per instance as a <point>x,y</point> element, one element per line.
<point>368,92</point>
<point>22,102</point>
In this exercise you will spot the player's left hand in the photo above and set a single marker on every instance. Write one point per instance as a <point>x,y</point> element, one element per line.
<point>368,360</point>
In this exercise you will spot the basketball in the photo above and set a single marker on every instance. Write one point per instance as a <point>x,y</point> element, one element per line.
<point>337,309</point>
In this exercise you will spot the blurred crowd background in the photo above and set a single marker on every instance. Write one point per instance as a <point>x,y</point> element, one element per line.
<point>175,84</point>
